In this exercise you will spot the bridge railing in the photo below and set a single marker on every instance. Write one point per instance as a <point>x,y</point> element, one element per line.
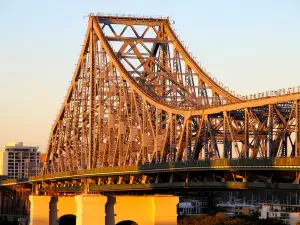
<point>275,93</point>
<point>277,163</point>
<point>13,181</point>
<point>89,172</point>
<point>245,162</point>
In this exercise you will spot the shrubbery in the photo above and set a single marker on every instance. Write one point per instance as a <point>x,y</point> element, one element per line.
<point>221,219</point>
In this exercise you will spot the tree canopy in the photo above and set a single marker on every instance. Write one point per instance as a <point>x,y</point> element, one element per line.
<point>226,220</point>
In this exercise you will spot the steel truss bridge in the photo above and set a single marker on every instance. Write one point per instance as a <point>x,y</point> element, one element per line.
<point>142,114</point>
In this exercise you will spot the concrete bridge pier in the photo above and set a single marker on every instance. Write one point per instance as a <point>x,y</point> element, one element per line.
<point>143,210</point>
<point>102,210</point>
<point>90,209</point>
<point>39,210</point>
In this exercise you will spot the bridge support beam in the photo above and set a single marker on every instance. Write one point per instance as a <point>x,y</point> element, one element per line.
<point>39,210</point>
<point>90,209</point>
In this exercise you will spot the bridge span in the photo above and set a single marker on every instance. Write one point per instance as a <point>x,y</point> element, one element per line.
<point>222,174</point>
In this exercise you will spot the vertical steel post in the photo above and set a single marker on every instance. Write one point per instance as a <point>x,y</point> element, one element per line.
<point>297,138</point>
<point>225,147</point>
<point>92,99</point>
<point>246,125</point>
<point>188,140</point>
<point>172,119</point>
<point>270,131</point>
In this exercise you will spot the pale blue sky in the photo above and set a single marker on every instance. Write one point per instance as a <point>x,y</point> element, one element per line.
<point>250,46</point>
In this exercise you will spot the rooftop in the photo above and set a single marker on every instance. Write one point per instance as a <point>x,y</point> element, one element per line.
<point>18,146</point>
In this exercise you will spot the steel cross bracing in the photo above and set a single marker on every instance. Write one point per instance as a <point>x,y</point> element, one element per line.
<point>138,97</point>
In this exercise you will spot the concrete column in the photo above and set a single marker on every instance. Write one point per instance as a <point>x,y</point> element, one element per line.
<point>39,210</point>
<point>110,210</point>
<point>53,210</point>
<point>90,209</point>
<point>165,210</point>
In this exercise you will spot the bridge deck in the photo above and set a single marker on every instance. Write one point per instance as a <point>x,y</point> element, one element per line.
<point>246,164</point>
<point>217,164</point>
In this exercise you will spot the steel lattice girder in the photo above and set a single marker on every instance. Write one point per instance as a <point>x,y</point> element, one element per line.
<point>137,96</point>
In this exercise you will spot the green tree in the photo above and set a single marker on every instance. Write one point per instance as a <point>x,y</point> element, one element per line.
<point>201,220</point>
<point>236,221</point>
<point>221,219</point>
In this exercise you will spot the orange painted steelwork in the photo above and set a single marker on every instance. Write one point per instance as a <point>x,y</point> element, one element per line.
<point>137,97</point>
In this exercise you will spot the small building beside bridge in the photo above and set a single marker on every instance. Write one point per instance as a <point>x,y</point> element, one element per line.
<point>19,161</point>
<point>289,214</point>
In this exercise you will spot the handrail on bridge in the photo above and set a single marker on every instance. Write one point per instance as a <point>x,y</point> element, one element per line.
<point>14,181</point>
<point>284,162</point>
<point>275,93</point>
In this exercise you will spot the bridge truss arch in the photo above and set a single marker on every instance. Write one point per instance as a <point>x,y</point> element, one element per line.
<point>138,97</point>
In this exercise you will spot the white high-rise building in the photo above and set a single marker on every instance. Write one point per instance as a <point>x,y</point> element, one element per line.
<point>19,161</point>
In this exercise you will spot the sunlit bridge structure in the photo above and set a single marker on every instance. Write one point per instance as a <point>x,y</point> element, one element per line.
<point>142,115</point>
<point>138,97</point>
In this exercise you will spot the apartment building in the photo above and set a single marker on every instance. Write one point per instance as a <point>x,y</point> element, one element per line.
<point>19,161</point>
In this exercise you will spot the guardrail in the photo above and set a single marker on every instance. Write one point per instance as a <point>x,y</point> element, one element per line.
<point>275,93</point>
<point>14,181</point>
<point>288,162</point>
<point>278,162</point>
<point>100,170</point>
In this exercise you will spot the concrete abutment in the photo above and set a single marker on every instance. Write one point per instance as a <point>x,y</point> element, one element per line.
<point>103,210</point>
